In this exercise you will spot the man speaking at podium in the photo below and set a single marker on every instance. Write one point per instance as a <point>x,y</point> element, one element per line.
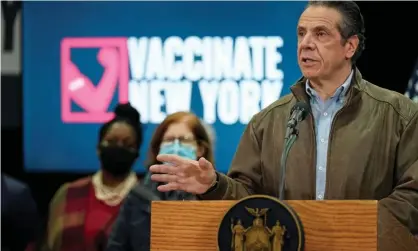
<point>358,141</point>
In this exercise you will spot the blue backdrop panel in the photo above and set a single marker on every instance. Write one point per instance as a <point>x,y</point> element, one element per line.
<point>222,60</point>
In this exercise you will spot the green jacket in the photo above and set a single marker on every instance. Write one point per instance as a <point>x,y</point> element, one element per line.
<point>372,154</point>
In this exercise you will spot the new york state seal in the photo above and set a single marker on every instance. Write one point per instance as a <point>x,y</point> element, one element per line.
<point>260,223</point>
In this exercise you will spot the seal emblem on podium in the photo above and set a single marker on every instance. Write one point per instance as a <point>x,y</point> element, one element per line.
<point>260,223</point>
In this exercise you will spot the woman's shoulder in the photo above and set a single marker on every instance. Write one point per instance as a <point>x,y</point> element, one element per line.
<point>138,201</point>
<point>142,191</point>
<point>82,182</point>
<point>61,193</point>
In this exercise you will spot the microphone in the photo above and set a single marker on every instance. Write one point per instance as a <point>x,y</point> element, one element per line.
<point>298,113</point>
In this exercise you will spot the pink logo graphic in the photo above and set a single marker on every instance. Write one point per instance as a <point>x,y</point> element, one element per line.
<point>77,87</point>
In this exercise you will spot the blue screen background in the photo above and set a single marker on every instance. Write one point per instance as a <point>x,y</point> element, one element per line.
<point>50,144</point>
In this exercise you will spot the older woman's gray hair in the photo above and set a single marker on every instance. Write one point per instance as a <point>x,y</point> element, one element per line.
<point>210,131</point>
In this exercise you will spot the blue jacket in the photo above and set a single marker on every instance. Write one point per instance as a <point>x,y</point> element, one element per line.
<point>131,231</point>
<point>19,215</point>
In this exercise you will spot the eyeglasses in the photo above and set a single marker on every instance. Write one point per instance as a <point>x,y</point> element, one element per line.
<point>182,139</point>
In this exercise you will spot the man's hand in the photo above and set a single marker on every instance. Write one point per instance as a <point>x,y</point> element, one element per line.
<point>191,176</point>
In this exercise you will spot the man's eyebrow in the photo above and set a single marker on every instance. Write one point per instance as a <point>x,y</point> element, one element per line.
<point>315,28</point>
<point>321,27</point>
<point>300,27</point>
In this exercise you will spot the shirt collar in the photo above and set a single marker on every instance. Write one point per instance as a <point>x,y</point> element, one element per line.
<point>340,92</point>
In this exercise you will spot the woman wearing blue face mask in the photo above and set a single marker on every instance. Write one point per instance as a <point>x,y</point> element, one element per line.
<point>181,133</point>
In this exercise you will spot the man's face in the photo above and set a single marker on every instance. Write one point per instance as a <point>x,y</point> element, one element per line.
<point>321,50</point>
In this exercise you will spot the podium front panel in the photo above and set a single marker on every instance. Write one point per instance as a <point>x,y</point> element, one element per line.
<point>328,225</point>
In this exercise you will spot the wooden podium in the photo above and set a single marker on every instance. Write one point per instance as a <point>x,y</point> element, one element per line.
<point>349,225</point>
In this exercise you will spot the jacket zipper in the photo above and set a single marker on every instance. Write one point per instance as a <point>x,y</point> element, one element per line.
<point>328,152</point>
<point>314,153</point>
<point>330,141</point>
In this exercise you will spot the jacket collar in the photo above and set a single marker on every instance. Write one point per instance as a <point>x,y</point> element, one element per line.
<point>357,84</point>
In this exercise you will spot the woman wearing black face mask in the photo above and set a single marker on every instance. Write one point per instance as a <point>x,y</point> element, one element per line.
<point>82,212</point>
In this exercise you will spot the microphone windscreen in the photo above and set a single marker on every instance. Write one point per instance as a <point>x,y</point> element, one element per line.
<point>302,106</point>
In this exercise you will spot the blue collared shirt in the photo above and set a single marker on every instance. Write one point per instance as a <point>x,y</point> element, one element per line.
<point>324,112</point>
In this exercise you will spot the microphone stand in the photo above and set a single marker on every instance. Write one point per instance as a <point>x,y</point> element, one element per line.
<point>289,141</point>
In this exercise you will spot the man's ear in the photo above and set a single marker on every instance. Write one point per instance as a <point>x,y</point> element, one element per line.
<point>351,46</point>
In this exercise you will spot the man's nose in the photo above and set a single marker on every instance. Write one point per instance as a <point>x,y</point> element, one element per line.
<point>307,42</point>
